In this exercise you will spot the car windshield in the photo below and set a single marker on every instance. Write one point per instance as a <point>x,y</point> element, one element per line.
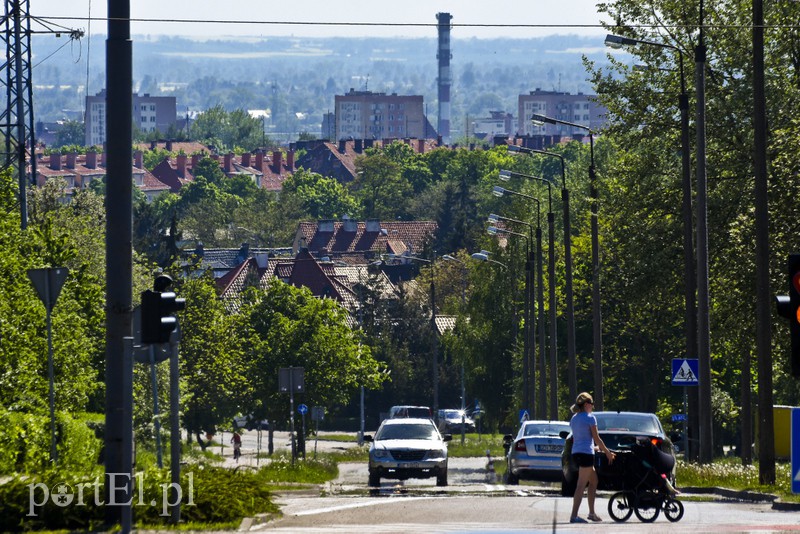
<point>621,422</point>
<point>545,429</point>
<point>453,414</point>
<point>410,431</point>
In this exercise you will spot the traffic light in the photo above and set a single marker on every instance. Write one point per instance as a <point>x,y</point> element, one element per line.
<point>789,307</point>
<point>158,307</point>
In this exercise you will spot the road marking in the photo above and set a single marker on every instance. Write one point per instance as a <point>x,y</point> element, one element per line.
<point>360,505</point>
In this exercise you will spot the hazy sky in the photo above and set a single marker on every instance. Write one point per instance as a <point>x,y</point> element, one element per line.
<point>555,17</point>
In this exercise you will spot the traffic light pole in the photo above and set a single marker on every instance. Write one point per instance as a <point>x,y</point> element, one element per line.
<point>174,431</point>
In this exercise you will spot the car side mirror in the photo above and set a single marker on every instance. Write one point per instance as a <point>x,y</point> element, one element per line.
<point>447,437</point>
<point>563,434</point>
<point>367,438</point>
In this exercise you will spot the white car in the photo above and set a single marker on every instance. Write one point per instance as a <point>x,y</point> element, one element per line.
<point>407,448</point>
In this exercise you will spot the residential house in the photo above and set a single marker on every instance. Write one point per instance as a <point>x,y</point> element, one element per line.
<point>80,170</point>
<point>337,160</point>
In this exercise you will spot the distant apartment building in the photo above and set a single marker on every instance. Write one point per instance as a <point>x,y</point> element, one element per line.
<point>150,113</point>
<point>497,123</point>
<point>579,109</point>
<point>368,115</point>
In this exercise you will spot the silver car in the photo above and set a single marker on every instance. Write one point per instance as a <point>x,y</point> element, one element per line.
<point>535,452</point>
<point>407,448</point>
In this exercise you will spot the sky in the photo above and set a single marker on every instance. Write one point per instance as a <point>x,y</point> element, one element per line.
<point>251,17</point>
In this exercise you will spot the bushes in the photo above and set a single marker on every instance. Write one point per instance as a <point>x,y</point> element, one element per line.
<point>25,443</point>
<point>210,495</point>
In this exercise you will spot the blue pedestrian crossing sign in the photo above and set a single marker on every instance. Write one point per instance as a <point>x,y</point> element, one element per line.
<point>795,429</point>
<point>685,371</point>
<point>523,415</point>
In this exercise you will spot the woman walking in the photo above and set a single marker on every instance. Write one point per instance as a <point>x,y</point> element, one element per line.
<point>585,440</point>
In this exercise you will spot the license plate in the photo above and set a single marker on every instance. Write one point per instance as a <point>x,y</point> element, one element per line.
<point>549,448</point>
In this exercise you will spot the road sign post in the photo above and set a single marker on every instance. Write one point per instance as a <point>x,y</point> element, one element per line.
<point>48,284</point>
<point>290,379</point>
<point>795,429</point>
<point>685,372</point>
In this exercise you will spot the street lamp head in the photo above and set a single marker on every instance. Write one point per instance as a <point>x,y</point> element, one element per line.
<point>498,191</point>
<point>449,257</point>
<point>617,41</point>
<point>480,256</point>
<point>505,175</point>
<point>492,230</point>
<point>514,148</point>
<point>541,120</point>
<point>485,253</point>
<point>492,218</point>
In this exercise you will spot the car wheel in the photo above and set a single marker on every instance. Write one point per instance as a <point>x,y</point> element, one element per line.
<point>374,480</point>
<point>441,478</point>
<point>568,487</point>
<point>511,478</point>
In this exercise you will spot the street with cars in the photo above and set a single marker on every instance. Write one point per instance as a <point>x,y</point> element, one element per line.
<point>477,499</point>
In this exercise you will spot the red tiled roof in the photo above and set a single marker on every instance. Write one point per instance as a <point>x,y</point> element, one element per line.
<point>188,147</point>
<point>392,235</point>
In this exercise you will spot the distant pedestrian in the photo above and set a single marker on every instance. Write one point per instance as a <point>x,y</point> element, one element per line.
<point>237,445</point>
<point>585,440</point>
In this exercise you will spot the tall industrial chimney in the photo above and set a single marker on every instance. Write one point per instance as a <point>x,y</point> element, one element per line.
<point>444,56</point>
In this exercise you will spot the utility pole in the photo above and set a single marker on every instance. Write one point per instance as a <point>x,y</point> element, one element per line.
<point>766,445</point>
<point>16,118</point>
<point>119,251</point>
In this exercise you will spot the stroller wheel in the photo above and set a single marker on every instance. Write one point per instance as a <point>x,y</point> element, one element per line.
<point>647,510</point>
<point>673,509</point>
<point>619,506</point>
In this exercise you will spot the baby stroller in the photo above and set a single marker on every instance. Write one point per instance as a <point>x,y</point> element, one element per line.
<point>646,490</point>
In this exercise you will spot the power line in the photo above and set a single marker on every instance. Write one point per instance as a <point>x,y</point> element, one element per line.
<point>419,24</point>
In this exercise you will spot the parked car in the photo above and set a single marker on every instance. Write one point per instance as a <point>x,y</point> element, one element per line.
<point>619,431</point>
<point>410,411</point>
<point>407,447</point>
<point>248,422</point>
<point>449,421</point>
<point>535,452</point>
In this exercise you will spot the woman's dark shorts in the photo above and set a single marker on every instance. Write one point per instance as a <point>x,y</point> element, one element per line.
<point>583,459</point>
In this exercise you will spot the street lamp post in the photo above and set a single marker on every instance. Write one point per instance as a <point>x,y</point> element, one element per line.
<point>493,230</point>
<point>690,310</point>
<point>551,268</point>
<point>572,378</point>
<point>551,279</point>
<point>463,307</point>
<point>529,367</point>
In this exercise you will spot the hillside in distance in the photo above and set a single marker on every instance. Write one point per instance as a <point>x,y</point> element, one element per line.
<point>297,78</point>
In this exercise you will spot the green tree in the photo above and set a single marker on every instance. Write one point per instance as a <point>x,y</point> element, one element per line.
<point>380,188</point>
<point>285,326</point>
<point>216,382</point>
<point>321,198</point>
<point>71,133</point>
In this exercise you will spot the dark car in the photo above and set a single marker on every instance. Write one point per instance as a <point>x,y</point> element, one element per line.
<point>249,422</point>
<point>410,411</point>
<point>619,431</point>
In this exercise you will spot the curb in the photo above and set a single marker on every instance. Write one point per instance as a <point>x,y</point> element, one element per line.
<point>744,495</point>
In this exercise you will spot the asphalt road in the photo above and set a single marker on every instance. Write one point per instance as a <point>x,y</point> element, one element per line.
<point>475,501</point>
